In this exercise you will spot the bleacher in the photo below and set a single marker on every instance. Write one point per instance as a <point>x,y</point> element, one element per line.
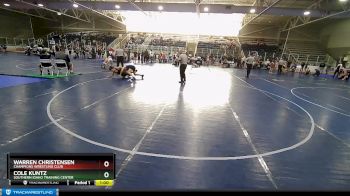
<point>169,42</point>
<point>264,50</point>
<point>163,44</point>
<point>217,48</point>
<point>254,41</point>
<point>205,48</point>
<point>310,52</point>
<point>96,39</point>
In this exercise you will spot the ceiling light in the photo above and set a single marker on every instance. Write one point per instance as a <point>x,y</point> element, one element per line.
<point>59,13</point>
<point>40,5</point>
<point>160,7</point>
<point>343,1</point>
<point>306,13</point>
<point>75,5</point>
<point>206,9</point>
<point>6,4</point>
<point>117,6</point>
<point>252,11</point>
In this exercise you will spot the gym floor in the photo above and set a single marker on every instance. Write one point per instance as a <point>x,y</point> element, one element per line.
<point>219,131</point>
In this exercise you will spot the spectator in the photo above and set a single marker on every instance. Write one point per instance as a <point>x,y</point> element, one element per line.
<point>337,69</point>
<point>61,55</point>
<point>44,55</point>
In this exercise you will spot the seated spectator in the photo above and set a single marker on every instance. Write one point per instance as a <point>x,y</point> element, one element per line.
<point>28,51</point>
<point>108,62</point>
<point>61,55</point>
<point>293,67</point>
<point>44,55</point>
<point>337,70</point>
<point>344,74</point>
<point>4,47</point>
<point>317,73</point>
<point>272,67</point>
<point>307,71</point>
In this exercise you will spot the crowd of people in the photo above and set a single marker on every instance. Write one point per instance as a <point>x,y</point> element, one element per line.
<point>157,40</point>
<point>78,45</point>
<point>95,49</point>
<point>158,50</point>
<point>283,66</point>
<point>267,51</point>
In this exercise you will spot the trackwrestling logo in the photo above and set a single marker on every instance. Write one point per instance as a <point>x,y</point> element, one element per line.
<point>10,192</point>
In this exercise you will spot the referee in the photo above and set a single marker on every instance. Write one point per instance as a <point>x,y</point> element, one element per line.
<point>120,56</point>
<point>183,64</point>
<point>249,61</point>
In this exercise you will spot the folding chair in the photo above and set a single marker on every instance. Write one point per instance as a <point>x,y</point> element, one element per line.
<point>61,64</point>
<point>46,64</point>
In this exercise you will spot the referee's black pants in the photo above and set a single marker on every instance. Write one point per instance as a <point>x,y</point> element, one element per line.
<point>120,59</point>
<point>182,72</point>
<point>249,67</point>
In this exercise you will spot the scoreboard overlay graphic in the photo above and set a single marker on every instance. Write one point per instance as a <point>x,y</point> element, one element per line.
<point>61,169</point>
